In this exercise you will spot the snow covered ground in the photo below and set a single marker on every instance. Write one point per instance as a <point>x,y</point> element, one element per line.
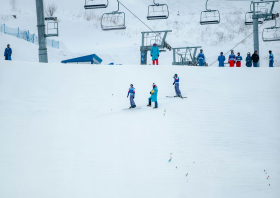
<point>64,133</point>
<point>80,31</point>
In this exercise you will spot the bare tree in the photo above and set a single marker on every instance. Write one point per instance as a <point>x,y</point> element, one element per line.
<point>51,9</point>
<point>14,5</point>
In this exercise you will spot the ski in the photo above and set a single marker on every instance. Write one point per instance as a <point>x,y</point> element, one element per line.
<point>175,97</point>
<point>132,108</point>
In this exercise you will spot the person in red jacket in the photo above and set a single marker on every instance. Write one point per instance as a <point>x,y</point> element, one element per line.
<point>232,59</point>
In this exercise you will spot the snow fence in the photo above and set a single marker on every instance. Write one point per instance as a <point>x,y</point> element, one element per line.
<point>26,35</point>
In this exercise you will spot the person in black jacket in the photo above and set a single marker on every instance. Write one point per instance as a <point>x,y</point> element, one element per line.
<point>255,59</point>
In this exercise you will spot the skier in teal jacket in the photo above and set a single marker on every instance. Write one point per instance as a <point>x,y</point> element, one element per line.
<point>155,53</point>
<point>153,97</point>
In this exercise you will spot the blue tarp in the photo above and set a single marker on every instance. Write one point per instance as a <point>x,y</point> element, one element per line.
<point>93,59</point>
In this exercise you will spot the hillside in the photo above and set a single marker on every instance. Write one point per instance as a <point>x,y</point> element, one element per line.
<point>81,33</point>
<point>64,132</point>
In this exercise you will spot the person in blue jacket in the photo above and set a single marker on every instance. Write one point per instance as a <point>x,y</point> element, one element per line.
<point>131,91</point>
<point>238,60</point>
<point>176,83</point>
<point>249,60</point>
<point>222,60</point>
<point>8,53</point>
<point>271,59</point>
<point>155,54</point>
<point>153,97</point>
<point>201,58</point>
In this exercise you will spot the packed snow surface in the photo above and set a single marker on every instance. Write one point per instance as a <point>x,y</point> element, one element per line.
<point>64,132</point>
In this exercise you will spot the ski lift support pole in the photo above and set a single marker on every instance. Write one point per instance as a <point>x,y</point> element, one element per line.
<point>256,18</point>
<point>43,53</point>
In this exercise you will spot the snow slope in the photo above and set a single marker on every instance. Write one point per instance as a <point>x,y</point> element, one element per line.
<point>64,133</point>
<point>80,30</point>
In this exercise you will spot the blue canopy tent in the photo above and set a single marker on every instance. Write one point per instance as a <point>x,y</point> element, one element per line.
<point>90,59</point>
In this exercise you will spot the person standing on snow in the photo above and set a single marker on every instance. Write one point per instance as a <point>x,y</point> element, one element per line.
<point>176,83</point>
<point>8,53</point>
<point>201,58</point>
<point>249,60</point>
<point>271,59</point>
<point>222,60</point>
<point>232,59</point>
<point>153,97</point>
<point>238,60</point>
<point>255,59</point>
<point>131,91</point>
<point>155,53</point>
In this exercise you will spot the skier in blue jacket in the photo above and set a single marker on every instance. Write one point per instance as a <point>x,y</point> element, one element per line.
<point>131,91</point>
<point>8,53</point>
<point>201,58</point>
<point>271,59</point>
<point>249,60</point>
<point>222,60</point>
<point>155,54</point>
<point>238,60</point>
<point>176,83</point>
<point>153,97</point>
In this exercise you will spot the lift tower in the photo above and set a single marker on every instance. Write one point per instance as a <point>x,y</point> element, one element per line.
<point>149,38</point>
<point>43,53</point>
<point>268,15</point>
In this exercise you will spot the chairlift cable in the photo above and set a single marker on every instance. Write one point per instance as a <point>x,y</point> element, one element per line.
<point>238,43</point>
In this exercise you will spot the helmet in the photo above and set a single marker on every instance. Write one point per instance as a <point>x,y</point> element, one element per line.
<point>201,50</point>
<point>131,85</point>
<point>270,51</point>
<point>154,85</point>
<point>175,74</point>
<point>231,51</point>
<point>155,44</point>
<point>248,53</point>
<point>238,53</point>
<point>222,53</point>
<point>8,45</point>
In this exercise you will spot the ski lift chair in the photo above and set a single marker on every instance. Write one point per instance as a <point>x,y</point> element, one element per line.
<point>209,16</point>
<point>93,5</point>
<point>113,21</point>
<point>249,18</point>
<point>158,11</point>
<point>271,33</point>
<point>52,29</point>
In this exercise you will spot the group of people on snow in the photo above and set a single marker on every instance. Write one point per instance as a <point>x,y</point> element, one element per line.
<point>232,59</point>
<point>154,93</point>
<point>250,60</point>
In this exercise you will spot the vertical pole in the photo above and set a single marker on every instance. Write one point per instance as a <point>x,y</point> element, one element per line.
<point>43,53</point>
<point>256,31</point>
<point>174,56</point>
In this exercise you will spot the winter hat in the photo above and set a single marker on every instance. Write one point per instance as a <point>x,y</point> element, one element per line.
<point>154,85</point>
<point>155,44</point>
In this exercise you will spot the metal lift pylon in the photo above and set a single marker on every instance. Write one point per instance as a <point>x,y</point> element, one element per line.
<point>149,38</point>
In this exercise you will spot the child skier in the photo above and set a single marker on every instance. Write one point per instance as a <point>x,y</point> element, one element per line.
<point>176,83</point>
<point>249,60</point>
<point>153,97</point>
<point>131,91</point>
<point>222,60</point>
<point>155,53</point>
<point>238,60</point>
<point>271,59</point>
<point>201,58</point>
<point>232,59</point>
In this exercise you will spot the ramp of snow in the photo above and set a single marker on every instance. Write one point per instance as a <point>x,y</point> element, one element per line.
<point>64,133</point>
